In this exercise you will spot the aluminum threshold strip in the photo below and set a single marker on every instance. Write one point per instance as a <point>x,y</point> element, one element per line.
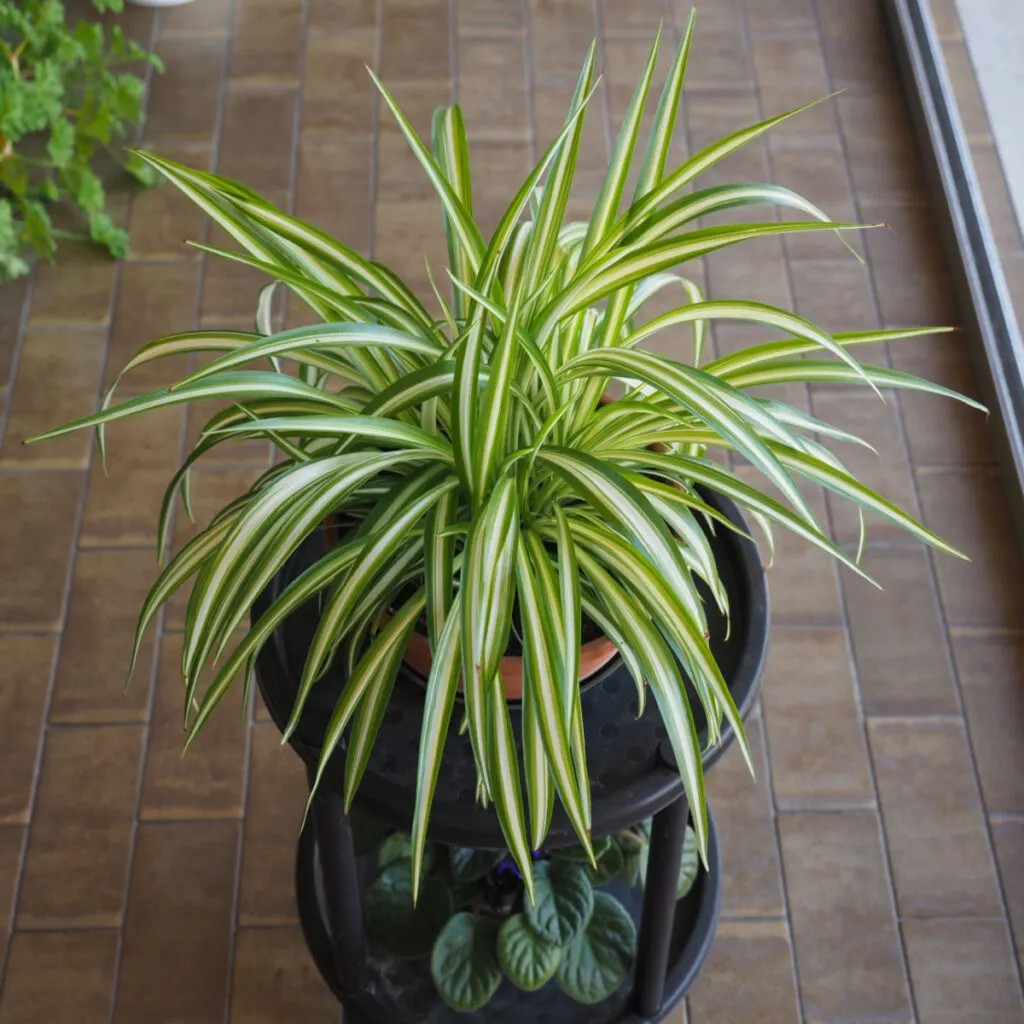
<point>984,300</point>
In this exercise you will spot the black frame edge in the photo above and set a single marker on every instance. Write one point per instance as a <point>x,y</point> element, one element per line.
<point>983,298</point>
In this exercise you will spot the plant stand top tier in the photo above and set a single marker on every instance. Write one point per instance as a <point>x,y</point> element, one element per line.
<point>631,768</point>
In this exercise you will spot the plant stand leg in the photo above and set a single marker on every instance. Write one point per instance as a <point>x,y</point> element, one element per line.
<point>342,905</point>
<point>667,834</point>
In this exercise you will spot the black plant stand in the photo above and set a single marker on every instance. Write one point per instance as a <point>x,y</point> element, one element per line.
<point>633,777</point>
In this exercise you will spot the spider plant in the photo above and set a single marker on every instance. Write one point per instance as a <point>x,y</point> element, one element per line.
<point>484,478</point>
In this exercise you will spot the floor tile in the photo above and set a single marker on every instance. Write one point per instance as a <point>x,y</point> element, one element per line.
<point>819,759</point>
<point>275,980</point>
<point>80,838</point>
<point>60,978</point>
<point>847,950</point>
<point>179,912</point>
<point>962,970</point>
<point>26,664</point>
<point>933,818</point>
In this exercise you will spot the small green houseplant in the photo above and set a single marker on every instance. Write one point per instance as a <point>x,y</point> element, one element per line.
<point>475,481</point>
<point>62,100</point>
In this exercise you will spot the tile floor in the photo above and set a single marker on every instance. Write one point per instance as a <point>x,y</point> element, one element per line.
<point>874,872</point>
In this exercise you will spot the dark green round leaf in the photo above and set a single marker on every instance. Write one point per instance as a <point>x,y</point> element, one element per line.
<point>464,963</point>
<point>404,930</point>
<point>527,960</point>
<point>397,846</point>
<point>688,865</point>
<point>598,959</point>
<point>468,865</point>
<point>564,901</point>
<point>609,864</point>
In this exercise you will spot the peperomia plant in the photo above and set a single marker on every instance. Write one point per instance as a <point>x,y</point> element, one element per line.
<point>62,99</point>
<point>474,921</point>
<point>484,481</point>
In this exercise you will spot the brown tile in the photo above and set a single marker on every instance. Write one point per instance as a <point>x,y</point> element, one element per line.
<point>500,169</point>
<point>179,911</point>
<point>946,18</point>
<point>743,814</point>
<point>897,636</point>
<point>277,798</point>
<point>991,671</point>
<point>60,978</point>
<point>847,950</point>
<point>81,832</point>
<point>26,663</point>
<point>489,14</point>
<point>210,18</point>
<point>414,41</point>
<point>933,819</point>
<point>163,218</point>
<point>962,970</point>
<point>856,45</point>
<point>155,300</point>
<point>717,113</point>
<point>802,583</point>
<point>879,146</point>
<point>861,413</point>
<point>1001,215</point>
<point>551,105</point>
<point>212,489</point>
<point>792,70</point>
<point>75,289</point>
<point>12,301</point>
<point>720,58</point>
<point>11,842</point>
<point>344,213</point>
<point>256,140</point>
<point>183,102</point>
<point>638,16</point>
<point>561,32</point>
<point>123,507</point>
<point>492,85</point>
<point>326,17</point>
<point>39,511</point>
<point>338,92</point>
<point>268,41</point>
<point>969,101</point>
<point>967,508</point>
<point>1008,839</point>
<point>207,780</point>
<point>407,234</point>
<point>835,295</point>
<point>818,755</point>
<point>58,378</point>
<point>755,272</point>
<point>749,976</point>
<point>401,175</point>
<point>624,58</point>
<point>941,431</point>
<point>107,592</point>
<point>275,980</point>
<point>780,18</point>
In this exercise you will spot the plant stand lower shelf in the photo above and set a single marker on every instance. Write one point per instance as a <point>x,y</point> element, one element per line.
<point>633,777</point>
<point>375,988</point>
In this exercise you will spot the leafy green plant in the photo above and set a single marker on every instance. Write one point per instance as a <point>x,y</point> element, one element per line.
<point>477,924</point>
<point>61,100</point>
<point>484,481</point>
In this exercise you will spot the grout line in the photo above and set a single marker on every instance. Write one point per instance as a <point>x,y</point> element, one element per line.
<point>19,343</point>
<point>933,577</point>
<point>375,133</point>
<point>602,74</point>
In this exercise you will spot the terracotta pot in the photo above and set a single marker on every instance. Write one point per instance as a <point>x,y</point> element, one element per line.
<point>594,655</point>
